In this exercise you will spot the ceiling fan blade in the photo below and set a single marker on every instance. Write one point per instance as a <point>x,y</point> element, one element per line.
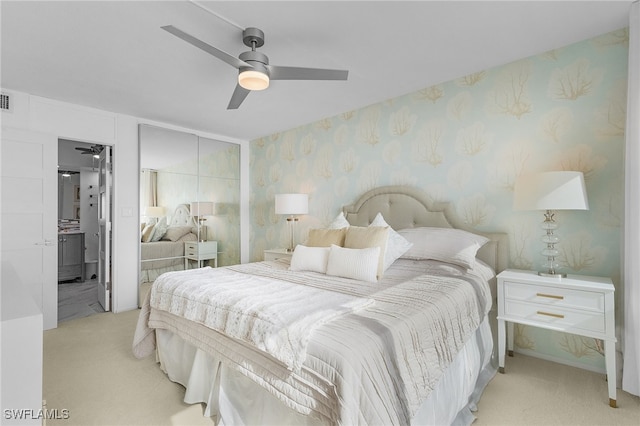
<point>223,56</point>
<point>297,73</point>
<point>239,95</point>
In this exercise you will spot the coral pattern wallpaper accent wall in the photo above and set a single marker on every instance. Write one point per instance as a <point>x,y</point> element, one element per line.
<point>466,141</point>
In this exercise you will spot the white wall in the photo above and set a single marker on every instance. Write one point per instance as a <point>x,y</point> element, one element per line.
<point>75,122</point>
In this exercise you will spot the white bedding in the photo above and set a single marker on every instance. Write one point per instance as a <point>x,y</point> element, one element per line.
<point>226,393</point>
<point>377,365</point>
<point>272,315</point>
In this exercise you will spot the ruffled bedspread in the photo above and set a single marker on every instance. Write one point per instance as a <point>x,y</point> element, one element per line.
<point>373,364</point>
<point>272,315</point>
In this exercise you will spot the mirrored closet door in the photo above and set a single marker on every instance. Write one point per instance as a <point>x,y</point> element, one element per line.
<point>189,202</point>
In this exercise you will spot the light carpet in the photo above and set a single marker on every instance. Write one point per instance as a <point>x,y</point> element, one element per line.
<point>89,369</point>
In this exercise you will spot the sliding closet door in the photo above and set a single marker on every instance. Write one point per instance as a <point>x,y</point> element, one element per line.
<point>219,183</point>
<point>180,169</point>
<point>168,186</point>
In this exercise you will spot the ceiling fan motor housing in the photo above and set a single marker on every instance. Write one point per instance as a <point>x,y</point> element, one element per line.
<point>257,60</point>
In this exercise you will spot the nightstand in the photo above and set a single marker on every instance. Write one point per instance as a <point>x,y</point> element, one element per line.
<point>275,254</point>
<point>576,304</point>
<point>199,251</point>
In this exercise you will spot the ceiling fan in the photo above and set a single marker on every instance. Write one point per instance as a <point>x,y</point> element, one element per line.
<point>94,150</point>
<point>254,71</point>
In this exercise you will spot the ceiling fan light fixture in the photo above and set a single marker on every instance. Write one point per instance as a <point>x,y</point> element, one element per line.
<point>253,80</point>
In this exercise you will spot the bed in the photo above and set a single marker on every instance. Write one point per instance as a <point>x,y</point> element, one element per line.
<point>167,253</point>
<point>414,347</point>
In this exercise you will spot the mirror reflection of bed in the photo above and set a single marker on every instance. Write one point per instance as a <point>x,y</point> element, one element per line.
<point>180,171</point>
<point>162,244</point>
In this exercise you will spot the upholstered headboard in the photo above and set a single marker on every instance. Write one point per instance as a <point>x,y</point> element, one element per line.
<point>405,207</point>
<point>182,216</point>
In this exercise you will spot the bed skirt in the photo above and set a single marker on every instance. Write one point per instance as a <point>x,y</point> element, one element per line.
<point>150,275</point>
<point>237,400</point>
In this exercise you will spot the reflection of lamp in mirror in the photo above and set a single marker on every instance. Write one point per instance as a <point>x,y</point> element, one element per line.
<point>154,212</point>
<point>200,209</point>
<point>551,191</point>
<point>292,204</point>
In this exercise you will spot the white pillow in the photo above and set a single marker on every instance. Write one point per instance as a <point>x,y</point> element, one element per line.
<point>359,237</point>
<point>397,245</point>
<point>309,259</point>
<point>359,264</point>
<point>444,244</point>
<point>339,222</point>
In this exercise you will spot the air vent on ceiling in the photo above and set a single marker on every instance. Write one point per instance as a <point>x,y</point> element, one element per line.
<point>6,103</point>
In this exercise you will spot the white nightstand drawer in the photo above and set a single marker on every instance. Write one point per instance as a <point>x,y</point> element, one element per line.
<point>554,316</point>
<point>200,251</point>
<point>558,297</point>
<point>203,248</point>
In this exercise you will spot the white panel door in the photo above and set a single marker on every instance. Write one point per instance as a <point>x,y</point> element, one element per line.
<point>104,225</point>
<point>28,228</point>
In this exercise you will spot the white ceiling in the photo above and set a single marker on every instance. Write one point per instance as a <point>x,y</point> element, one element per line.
<point>114,56</point>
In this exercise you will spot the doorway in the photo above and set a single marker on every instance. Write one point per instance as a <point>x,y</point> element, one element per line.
<point>79,232</point>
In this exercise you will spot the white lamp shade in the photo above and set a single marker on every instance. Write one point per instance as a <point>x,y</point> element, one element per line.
<point>201,208</point>
<point>154,211</point>
<point>292,203</point>
<point>551,191</point>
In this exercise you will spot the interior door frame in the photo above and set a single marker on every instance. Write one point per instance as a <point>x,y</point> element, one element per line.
<point>105,228</point>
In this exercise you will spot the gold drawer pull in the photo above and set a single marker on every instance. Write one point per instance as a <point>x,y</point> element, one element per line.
<point>550,314</point>
<point>552,296</point>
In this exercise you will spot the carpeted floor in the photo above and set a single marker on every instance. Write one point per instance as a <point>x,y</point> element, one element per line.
<point>89,370</point>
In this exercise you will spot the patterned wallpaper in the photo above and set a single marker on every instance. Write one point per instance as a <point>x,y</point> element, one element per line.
<point>465,141</point>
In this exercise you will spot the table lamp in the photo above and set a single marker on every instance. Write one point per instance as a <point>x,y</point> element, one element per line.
<point>292,204</point>
<point>200,209</point>
<point>550,191</point>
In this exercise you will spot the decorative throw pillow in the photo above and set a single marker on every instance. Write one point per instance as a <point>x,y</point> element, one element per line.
<point>444,244</point>
<point>359,264</point>
<point>325,237</point>
<point>146,233</point>
<point>309,259</point>
<point>174,233</point>
<point>359,237</point>
<point>158,230</point>
<point>397,245</point>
